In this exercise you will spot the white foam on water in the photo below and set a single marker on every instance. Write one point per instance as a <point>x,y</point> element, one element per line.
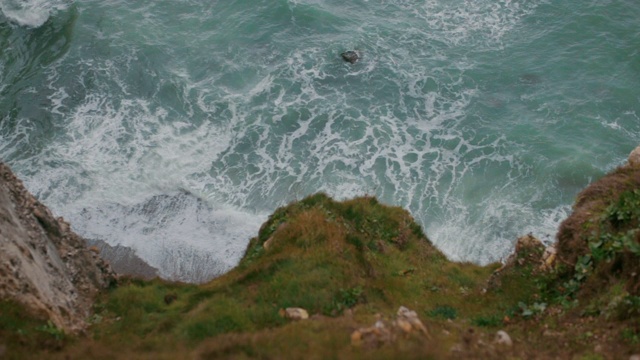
<point>179,234</point>
<point>484,23</point>
<point>110,170</point>
<point>188,186</point>
<point>319,150</point>
<point>32,13</point>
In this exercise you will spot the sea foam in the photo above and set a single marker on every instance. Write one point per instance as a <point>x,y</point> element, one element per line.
<point>31,13</point>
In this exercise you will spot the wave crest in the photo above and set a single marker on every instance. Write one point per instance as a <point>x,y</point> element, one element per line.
<point>31,13</point>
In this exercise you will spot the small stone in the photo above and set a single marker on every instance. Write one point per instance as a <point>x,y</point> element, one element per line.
<point>64,226</point>
<point>405,312</point>
<point>634,357</point>
<point>296,313</point>
<point>404,325</point>
<point>267,244</point>
<point>551,333</point>
<point>634,157</point>
<point>350,56</point>
<point>411,317</point>
<point>356,338</point>
<point>548,257</point>
<point>502,338</point>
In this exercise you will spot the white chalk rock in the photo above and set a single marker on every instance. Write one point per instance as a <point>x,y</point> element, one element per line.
<point>502,338</point>
<point>634,158</point>
<point>296,314</point>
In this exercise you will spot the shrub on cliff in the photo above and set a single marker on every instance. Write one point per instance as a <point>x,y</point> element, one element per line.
<point>599,244</point>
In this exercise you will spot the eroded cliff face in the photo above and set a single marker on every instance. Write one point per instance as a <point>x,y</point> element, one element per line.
<point>43,264</point>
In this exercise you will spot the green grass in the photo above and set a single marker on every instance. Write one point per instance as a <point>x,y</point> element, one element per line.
<point>24,333</point>
<point>326,257</point>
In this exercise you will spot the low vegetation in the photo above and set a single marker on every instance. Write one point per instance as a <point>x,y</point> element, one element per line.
<point>352,263</point>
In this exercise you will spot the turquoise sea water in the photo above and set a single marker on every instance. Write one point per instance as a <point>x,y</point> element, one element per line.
<point>176,127</point>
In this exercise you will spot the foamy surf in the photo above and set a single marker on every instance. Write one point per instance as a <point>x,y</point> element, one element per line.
<point>183,236</point>
<point>473,115</point>
<point>31,13</point>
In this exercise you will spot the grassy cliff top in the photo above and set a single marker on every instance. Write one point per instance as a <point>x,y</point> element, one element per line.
<point>351,264</point>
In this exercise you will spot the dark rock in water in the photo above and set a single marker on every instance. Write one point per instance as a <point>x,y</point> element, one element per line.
<point>350,56</point>
<point>530,79</point>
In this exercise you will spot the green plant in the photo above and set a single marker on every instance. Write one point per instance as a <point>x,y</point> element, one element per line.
<point>487,321</point>
<point>532,310</point>
<point>443,312</point>
<point>618,228</point>
<point>629,306</point>
<point>346,299</point>
<point>51,329</point>
<point>631,336</point>
<point>625,210</point>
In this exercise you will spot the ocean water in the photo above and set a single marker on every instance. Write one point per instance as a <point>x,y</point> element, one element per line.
<point>177,127</point>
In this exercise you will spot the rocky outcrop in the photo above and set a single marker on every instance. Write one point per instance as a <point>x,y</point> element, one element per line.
<point>634,157</point>
<point>590,205</point>
<point>529,251</point>
<point>294,313</point>
<point>382,332</point>
<point>350,56</point>
<point>124,260</point>
<point>44,265</point>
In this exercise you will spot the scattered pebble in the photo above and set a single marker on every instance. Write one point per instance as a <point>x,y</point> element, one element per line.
<point>295,313</point>
<point>502,338</point>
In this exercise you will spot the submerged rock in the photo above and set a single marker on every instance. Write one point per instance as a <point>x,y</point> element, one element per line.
<point>530,79</point>
<point>350,56</point>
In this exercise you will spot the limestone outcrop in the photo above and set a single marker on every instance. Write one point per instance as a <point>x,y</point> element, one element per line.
<point>382,332</point>
<point>294,313</point>
<point>44,266</point>
<point>634,157</point>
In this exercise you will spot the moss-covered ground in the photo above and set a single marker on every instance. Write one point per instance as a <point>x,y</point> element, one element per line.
<point>350,263</point>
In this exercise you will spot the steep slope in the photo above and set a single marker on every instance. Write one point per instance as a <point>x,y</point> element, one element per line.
<point>44,266</point>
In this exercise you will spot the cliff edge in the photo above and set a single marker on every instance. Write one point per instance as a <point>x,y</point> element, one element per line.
<point>353,279</point>
<point>44,266</point>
